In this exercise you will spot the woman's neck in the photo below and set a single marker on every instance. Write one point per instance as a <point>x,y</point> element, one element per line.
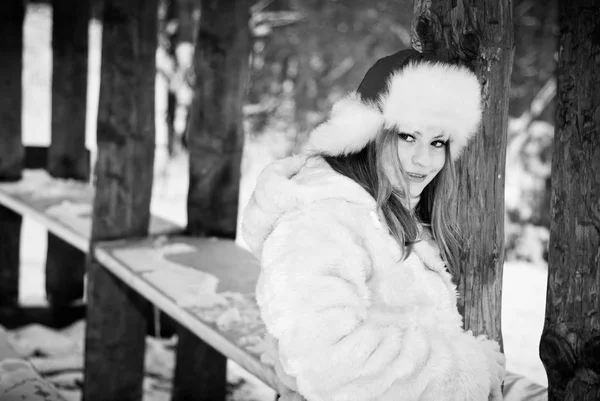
<point>413,202</point>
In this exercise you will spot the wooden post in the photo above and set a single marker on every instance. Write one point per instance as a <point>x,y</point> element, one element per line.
<point>116,315</point>
<point>215,140</point>
<point>479,33</point>
<point>193,379</point>
<point>12,152</point>
<point>68,158</point>
<point>570,343</point>
<point>215,134</point>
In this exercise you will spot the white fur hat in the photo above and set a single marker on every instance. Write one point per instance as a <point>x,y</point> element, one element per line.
<point>407,91</point>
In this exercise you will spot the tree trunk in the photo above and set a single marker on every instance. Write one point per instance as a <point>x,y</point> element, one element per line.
<point>12,152</point>
<point>67,156</point>
<point>479,34</point>
<point>216,134</point>
<point>116,322</point>
<point>570,343</point>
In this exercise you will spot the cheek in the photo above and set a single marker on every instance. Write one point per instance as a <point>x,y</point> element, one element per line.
<point>404,154</point>
<point>438,161</point>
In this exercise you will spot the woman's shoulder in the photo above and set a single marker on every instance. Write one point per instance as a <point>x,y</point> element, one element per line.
<point>299,189</point>
<point>299,180</point>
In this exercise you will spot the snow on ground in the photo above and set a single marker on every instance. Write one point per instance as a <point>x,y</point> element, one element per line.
<point>524,283</point>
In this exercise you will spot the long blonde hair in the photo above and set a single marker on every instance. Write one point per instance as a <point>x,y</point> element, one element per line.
<point>436,208</point>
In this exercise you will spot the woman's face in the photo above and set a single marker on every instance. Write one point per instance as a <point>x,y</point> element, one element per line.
<point>422,155</point>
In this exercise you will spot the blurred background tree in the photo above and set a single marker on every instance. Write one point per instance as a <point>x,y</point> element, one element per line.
<point>531,129</point>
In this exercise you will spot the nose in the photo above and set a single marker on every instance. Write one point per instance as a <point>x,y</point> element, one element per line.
<point>421,155</point>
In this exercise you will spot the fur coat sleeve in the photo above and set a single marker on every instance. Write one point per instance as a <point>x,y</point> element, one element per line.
<point>340,339</point>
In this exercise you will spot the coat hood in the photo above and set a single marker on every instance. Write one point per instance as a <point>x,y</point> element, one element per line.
<point>290,184</point>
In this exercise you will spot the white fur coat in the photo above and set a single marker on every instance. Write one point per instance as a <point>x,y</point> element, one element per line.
<point>347,317</point>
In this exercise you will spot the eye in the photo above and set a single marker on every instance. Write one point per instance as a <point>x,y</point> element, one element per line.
<point>406,137</point>
<point>439,144</point>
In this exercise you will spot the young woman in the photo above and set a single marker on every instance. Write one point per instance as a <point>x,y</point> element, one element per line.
<point>358,245</point>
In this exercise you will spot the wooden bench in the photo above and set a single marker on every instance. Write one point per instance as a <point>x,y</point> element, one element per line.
<point>64,208</point>
<point>19,380</point>
<point>207,285</point>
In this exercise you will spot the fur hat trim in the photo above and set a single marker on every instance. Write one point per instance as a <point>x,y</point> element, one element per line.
<point>424,95</point>
<point>351,125</point>
<point>437,96</point>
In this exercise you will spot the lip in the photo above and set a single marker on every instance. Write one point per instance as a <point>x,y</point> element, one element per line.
<point>416,177</point>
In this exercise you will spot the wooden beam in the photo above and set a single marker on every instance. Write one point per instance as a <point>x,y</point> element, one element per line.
<point>115,338</point>
<point>570,342</point>
<point>67,156</point>
<point>12,153</point>
<point>65,269</point>
<point>36,157</point>
<point>198,370</point>
<point>215,135</point>
<point>116,324</point>
<point>479,34</point>
<point>215,140</point>
<point>10,233</point>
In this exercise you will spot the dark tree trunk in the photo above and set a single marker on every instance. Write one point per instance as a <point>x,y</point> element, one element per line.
<point>116,323</point>
<point>67,156</point>
<point>216,134</point>
<point>570,343</point>
<point>12,152</point>
<point>478,33</point>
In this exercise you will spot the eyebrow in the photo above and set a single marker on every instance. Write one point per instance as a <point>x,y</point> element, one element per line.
<point>439,136</point>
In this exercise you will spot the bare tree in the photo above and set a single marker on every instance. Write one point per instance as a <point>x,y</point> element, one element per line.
<point>570,343</point>
<point>479,34</point>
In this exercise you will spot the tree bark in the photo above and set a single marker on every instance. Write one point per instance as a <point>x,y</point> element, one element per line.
<point>570,343</point>
<point>477,33</point>
<point>12,152</point>
<point>216,134</point>
<point>116,322</point>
